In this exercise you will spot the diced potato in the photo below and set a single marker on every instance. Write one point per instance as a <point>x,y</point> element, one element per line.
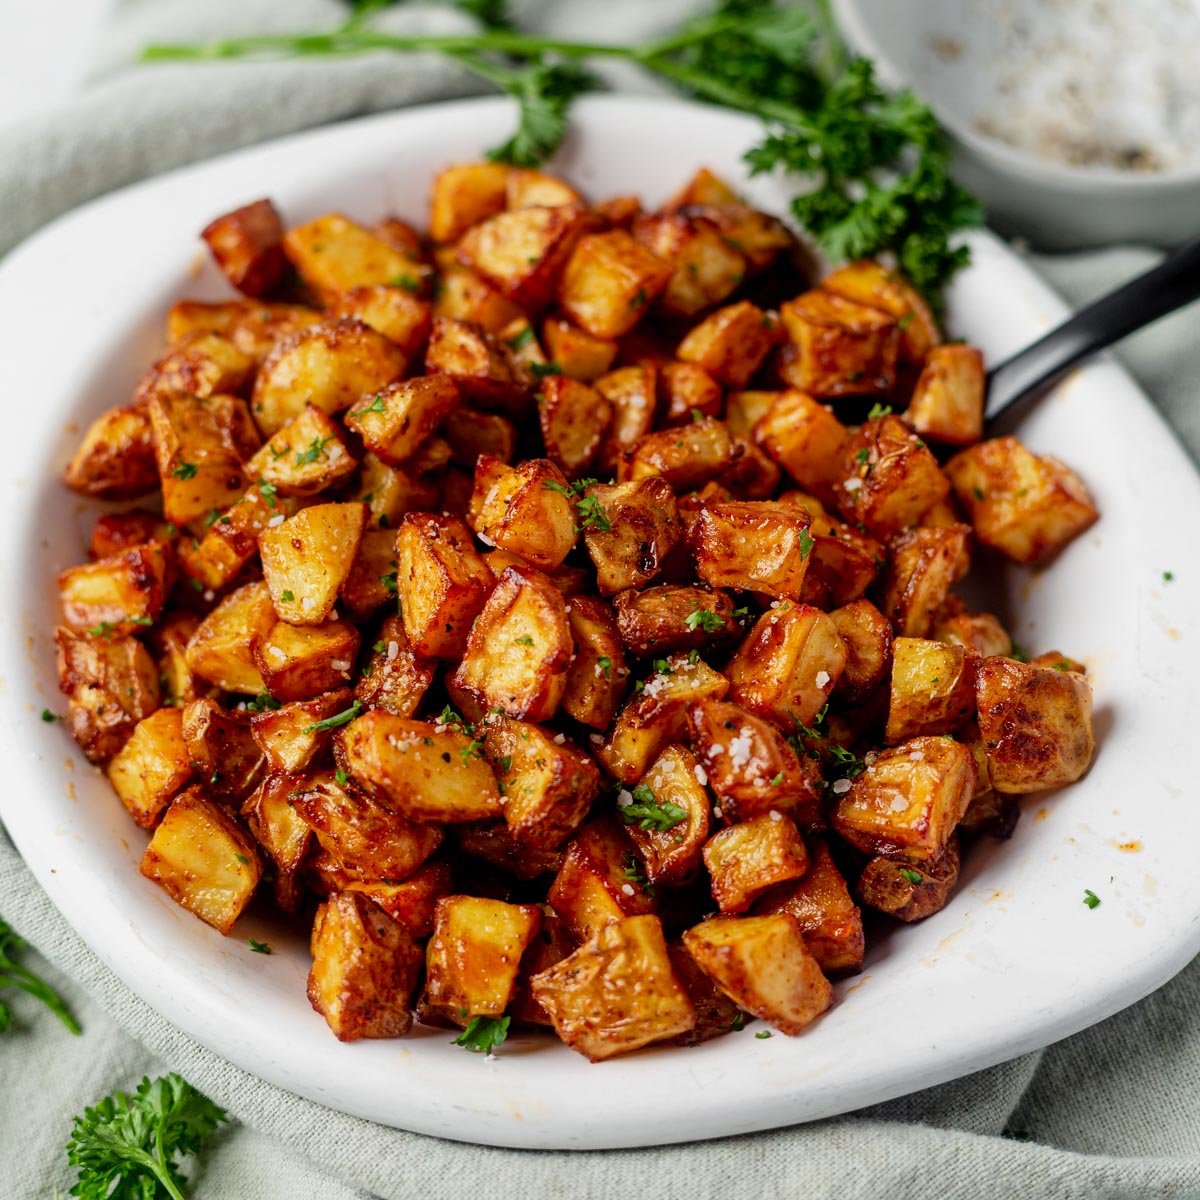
<point>203,859</point>
<point>757,546</point>
<point>333,254</point>
<point>731,343</point>
<point>578,353</point>
<point>289,736</point>
<point>596,676</point>
<point>464,295</point>
<point>910,891</point>
<point>933,689</point>
<point>526,509</point>
<point>672,856</point>
<point>282,832</point>
<point>762,964</point>
<point>844,562</point>
<point>298,662</point>
<point>519,648</point>
<point>643,529</point>
<point>371,581</point>
<point>617,992</point>
<point>117,595</point>
<point>574,419</point>
<point>390,493</point>
<point>115,460</point>
<point>329,366</point>
<point>204,364</point>
<point>746,859</point>
<point>705,268</point>
<point>1036,724</point>
<point>152,767</point>
<point>548,784</point>
<point>222,750</point>
<point>221,649</point>
<point>365,968</point>
<point>463,195</point>
<point>631,391</point>
<point>475,363</point>
<point>472,960</point>
<point>870,283</point>
<point>401,235</point>
<point>550,947</point>
<point>425,772</point>
<point>671,617</point>
<point>977,633</point>
<point>686,457</point>
<point>306,456</point>
<point>526,188</point>
<point>686,393</point>
<point>187,317</point>
<point>867,636</point>
<point>413,901</point>
<point>788,665</point>
<point>472,433</point>
<point>924,565</point>
<point>442,583</point>
<point>393,311</point>
<point>394,679</point>
<point>947,402</point>
<point>1027,506</point>
<point>908,801</point>
<point>805,438</point>
<point>609,282</point>
<point>308,557</point>
<point>263,325</point>
<point>716,1014</point>
<point>492,842</point>
<point>842,348</point>
<point>743,410</point>
<point>171,637</point>
<point>820,902</point>
<point>248,247</point>
<point>398,418</point>
<point>750,765</point>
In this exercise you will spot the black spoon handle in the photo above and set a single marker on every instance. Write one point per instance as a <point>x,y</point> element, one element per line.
<point>1172,284</point>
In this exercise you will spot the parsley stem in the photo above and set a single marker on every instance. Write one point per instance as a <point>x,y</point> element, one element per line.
<point>157,1162</point>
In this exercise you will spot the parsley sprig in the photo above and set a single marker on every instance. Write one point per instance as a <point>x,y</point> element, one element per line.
<point>483,1034</point>
<point>647,811</point>
<point>15,975</point>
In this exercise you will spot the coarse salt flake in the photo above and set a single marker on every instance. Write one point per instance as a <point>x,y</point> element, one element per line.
<point>822,678</point>
<point>701,775</point>
<point>624,798</point>
<point>627,888</point>
<point>840,787</point>
<point>740,748</point>
<point>393,651</point>
<point>899,804</point>
<point>776,815</point>
<point>596,739</point>
<point>277,520</point>
<point>559,738</point>
<point>483,537</point>
<point>852,485</point>
<point>307,603</point>
<point>916,755</point>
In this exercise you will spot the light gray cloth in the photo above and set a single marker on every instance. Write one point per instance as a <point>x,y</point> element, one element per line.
<point>1107,1115</point>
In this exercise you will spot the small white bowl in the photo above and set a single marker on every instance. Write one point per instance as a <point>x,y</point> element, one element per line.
<point>948,52</point>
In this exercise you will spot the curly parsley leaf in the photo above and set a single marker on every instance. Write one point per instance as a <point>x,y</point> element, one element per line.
<point>13,974</point>
<point>544,92</point>
<point>648,812</point>
<point>483,1034</point>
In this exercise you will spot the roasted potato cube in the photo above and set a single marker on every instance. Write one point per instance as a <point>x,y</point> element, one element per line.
<point>222,749</point>
<point>910,891</point>
<point>248,247</point>
<point>762,964</point>
<point>398,418</point>
<point>529,189</point>
<point>464,295</point>
<point>290,736</point>
<point>472,960</point>
<point>617,992</point>
<point>363,838</point>
<point>221,649</point>
<point>395,679</point>
<point>329,366</point>
<point>463,195</point>
<point>390,493</point>
<point>574,419</point>
<point>333,255</point>
<point>203,859</point>
<point>705,268</point>
<point>788,665</point>
<point>306,456</point>
<point>472,433</point>
<point>425,772</point>
<point>661,620</point>
<point>571,581</point>
<point>115,460</point>
<point>868,282</point>
<point>924,565</point>
<point>492,842</point>
<point>596,676</point>
<point>750,765</point>
<point>442,583</point>
<point>519,648</point>
<point>686,457</point>
<point>578,353</point>
<point>298,662</point>
<point>715,1012</point>
<point>114,532</point>
<point>371,583</point>
<point>282,832</point>
<point>152,767</point>
<point>548,784</point>
<point>744,860</point>
<point>752,545</point>
<point>1025,505</point>
<point>204,364</point>
<point>609,282</point>
<point>187,317</point>
<point>474,362</point>
<point>842,348</point>
<point>933,689</point>
<point>1035,722</point>
<point>947,402</point>
<point>393,311</point>
<point>413,901</point>
<point>263,325</point>
<point>170,642</point>
<point>364,970</point>
<point>820,902</point>
<point>115,596</point>
<point>731,343</point>
<point>744,410</point>
<point>643,528</point>
<point>908,801</point>
<point>805,438</point>
<point>867,636</point>
<point>977,633</point>
<point>308,557</point>
<point>526,509</point>
<point>844,562</point>
<point>672,855</point>
<point>551,946</point>
<point>632,393</point>
<point>686,393</point>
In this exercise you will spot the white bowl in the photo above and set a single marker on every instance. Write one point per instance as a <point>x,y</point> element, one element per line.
<point>1015,961</point>
<point>945,50</point>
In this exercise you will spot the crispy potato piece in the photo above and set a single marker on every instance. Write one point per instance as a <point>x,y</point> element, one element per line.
<point>751,475</point>
<point>788,665</point>
<point>519,648</point>
<point>632,393</point>
<point>977,633</point>
<point>464,295</point>
<point>571,581</point>
<point>1027,506</point>
<point>283,833</point>
<point>528,189</point>
<point>298,662</point>
<point>597,673</point>
<point>329,366</point>
<point>220,651</point>
<point>908,801</point>
<point>492,842</point>
<point>743,410</point>
<point>844,562</point>
<point>1036,724</point>
<point>867,636</point>
<point>425,772</point>
<point>248,247</point>
<point>705,268</point>
<point>947,402</point>
<point>842,348</point>
<point>550,947</point>
<point>643,529</point>
<point>395,679</point>
<point>222,750</point>
<point>472,433</point>
<point>672,856</point>
<point>115,596</point>
<point>171,637</point>
<point>548,783</point>
<point>333,254</point>
<point>715,1012</point>
<point>750,765</point>
<point>924,565</point>
<point>731,343</point>
<point>617,992</point>
<point>686,393</point>
<point>401,235</point>
<point>762,964</point>
<point>186,317</point>
<point>526,509</point>
<point>686,457</point>
<point>111,684</point>
<point>671,617</point>
<point>574,419</point>
<point>656,716</point>
<point>115,460</point>
<point>753,545</point>
<point>391,493</point>
<point>870,283</point>
<point>308,557</point>
<point>288,736</point>
<point>609,282</point>
<point>371,582</point>
<point>442,583</point>
<point>578,353</point>
<point>820,902</point>
<point>933,689</point>
<point>364,970</point>
<point>393,311</point>
<point>476,364</point>
<point>203,859</point>
<point>472,960</point>
<point>306,456</point>
<point>263,325</point>
<point>413,901</point>
<point>805,438</point>
<point>744,860</point>
<point>152,767</point>
<point>399,417</point>
<point>756,236</point>
<point>465,194</point>
<point>204,364</point>
<point>910,891</point>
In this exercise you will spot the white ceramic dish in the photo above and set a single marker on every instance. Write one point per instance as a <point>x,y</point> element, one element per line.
<point>1014,962</point>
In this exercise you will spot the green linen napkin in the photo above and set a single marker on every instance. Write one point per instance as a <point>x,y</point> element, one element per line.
<point>1106,1115</point>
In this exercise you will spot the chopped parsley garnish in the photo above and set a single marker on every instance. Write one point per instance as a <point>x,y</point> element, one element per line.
<point>262,703</point>
<point>591,514</point>
<point>524,640</point>
<point>879,410</point>
<point>473,749</point>
<point>242,859</point>
<point>777,780</point>
<point>1090,898</point>
<point>763,1033</point>
<point>521,340</point>
<point>648,812</point>
<point>542,370</point>
<point>1168,576</point>
<point>639,299</point>
<point>605,664</point>
<point>410,283</point>
<point>338,719</point>
<point>185,470</point>
<point>50,717</point>
<point>738,1023</point>
<point>449,717</point>
<point>104,630</point>
<point>268,492</point>
<point>379,647</point>
<point>257,946</point>
<point>214,515</point>
<point>389,583</point>
<point>911,875</point>
<point>315,450</point>
<point>704,619</point>
<point>341,777</point>
<point>631,871</point>
<point>483,1034</point>
<point>377,405</point>
<point>806,543</point>
<point>862,456</point>
<point>287,596</point>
